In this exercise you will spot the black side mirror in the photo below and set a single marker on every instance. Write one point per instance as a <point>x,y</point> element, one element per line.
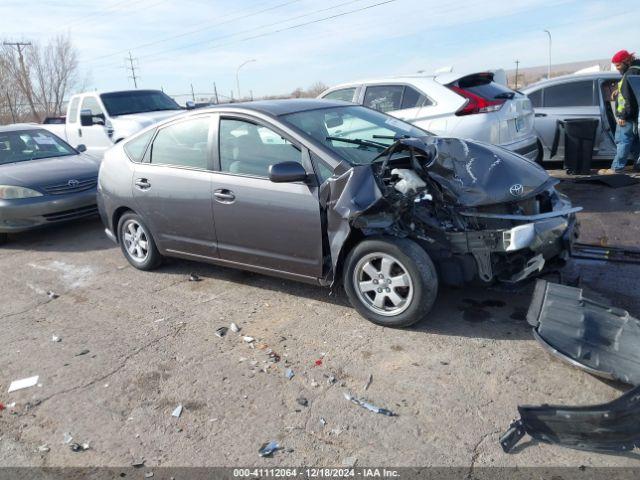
<point>81,148</point>
<point>286,172</point>
<point>86,118</point>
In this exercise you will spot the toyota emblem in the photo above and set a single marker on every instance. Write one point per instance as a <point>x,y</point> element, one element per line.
<point>73,183</point>
<point>516,190</point>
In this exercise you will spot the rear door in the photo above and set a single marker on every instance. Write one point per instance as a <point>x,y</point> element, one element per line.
<point>172,187</point>
<point>260,223</point>
<point>571,99</point>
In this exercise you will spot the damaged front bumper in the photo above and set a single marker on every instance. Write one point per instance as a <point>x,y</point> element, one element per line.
<point>537,242</point>
<point>599,339</point>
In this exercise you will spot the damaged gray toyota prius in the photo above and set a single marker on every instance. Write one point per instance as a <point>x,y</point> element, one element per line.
<point>327,192</point>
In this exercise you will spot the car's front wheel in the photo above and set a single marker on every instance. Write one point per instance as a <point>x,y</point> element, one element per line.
<point>390,281</point>
<point>137,244</point>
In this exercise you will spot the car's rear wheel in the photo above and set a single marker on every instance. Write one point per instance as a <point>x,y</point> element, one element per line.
<point>137,244</point>
<point>390,281</point>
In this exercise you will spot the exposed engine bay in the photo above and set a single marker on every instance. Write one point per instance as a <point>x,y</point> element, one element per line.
<point>481,212</point>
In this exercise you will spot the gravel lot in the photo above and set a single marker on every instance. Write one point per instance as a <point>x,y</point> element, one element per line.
<point>454,380</point>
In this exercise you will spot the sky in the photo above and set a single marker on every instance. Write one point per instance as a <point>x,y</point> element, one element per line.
<point>295,43</point>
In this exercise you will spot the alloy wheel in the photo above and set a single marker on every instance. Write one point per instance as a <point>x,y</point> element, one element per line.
<point>136,241</point>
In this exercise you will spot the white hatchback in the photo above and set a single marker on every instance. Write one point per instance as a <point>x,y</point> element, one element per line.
<point>453,105</point>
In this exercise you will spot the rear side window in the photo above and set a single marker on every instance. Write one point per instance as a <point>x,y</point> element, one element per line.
<point>345,94</point>
<point>483,85</point>
<point>572,94</point>
<point>384,98</point>
<point>535,98</point>
<point>413,98</point>
<point>183,144</point>
<point>73,110</point>
<point>135,148</point>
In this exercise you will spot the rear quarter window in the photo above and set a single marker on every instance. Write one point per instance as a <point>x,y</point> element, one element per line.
<point>136,148</point>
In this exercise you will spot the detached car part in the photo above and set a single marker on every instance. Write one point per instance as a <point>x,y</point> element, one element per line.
<point>599,339</point>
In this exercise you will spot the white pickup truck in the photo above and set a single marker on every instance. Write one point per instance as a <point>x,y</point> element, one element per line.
<point>97,120</point>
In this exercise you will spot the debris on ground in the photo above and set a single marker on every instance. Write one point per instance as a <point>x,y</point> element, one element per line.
<point>323,422</point>
<point>221,332</point>
<point>273,357</point>
<point>148,475</point>
<point>66,438</point>
<point>78,447</point>
<point>52,295</point>
<point>289,373</point>
<point>318,362</point>
<point>268,448</point>
<point>368,384</point>
<point>349,462</point>
<point>23,383</point>
<point>177,411</point>
<point>249,339</point>
<point>194,278</point>
<point>369,406</point>
<point>44,448</point>
<point>138,463</point>
<point>2,407</point>
<point>302,401</point>
<point>56,339</point>
<point>82,352</point>
<point>331,379</point>
<point>234,328</point>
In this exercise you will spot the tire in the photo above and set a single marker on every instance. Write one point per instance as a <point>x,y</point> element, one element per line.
<point>417,295</point>
<point>142,258</point>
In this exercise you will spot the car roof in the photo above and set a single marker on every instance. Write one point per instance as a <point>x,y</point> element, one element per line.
<point>102,92</point>
<point>572,77</point>
<point>281,107</point>
<point>14,127</point>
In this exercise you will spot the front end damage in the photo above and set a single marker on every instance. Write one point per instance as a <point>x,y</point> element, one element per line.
<point>600,340</point>
<point>481,212</point>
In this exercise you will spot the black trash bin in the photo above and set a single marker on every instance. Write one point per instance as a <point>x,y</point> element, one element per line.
<point>579,137</point>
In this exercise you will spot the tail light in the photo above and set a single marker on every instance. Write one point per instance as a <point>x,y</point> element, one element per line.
<point>475,103</point>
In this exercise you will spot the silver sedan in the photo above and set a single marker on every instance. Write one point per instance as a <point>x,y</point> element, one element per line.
<point>43,180</point>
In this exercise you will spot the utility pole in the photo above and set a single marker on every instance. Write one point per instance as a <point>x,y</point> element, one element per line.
<point>549,62</point>
<point>26,83</point>
<point>132,67</point>
<point>251,95</point>
<point>238,76</point>
<point>517,64</point>
<point>13,115</point>
<point>193,95</point>
<point>215,92</point>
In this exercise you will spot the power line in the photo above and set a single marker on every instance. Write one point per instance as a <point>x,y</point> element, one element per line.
<point>133,70</point>
<point>264,34</point>
<point>198,30</point>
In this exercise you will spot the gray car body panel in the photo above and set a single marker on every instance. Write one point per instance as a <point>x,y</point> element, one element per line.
<point>295,230</point>
<point>19,215</point>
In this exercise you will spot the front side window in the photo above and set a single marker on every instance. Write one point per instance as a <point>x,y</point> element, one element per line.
<point>92,105</point>
<point>183,144</point>
<point>23,145</point>
<point>354,133</point>
<point>250,149</point>
<point>135,148</point>
<point>384,98</point>
<point>345,94</point>
<point>73,110</point>
<point>573,94</point>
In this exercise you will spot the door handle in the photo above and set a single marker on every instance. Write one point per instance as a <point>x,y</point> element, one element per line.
<point>142,184</point>
<point>79,132</point>
<point>541,114</point>
<point>224,196</point>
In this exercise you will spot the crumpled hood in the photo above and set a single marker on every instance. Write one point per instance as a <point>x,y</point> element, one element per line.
<point>475,174</point>
<point>49,171</point>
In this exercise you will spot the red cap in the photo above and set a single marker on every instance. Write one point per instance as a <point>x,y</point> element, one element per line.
<point>621,56</point>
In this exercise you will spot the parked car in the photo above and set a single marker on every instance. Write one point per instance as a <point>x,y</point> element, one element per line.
<point>327,192</point>
<point>460,105</point>
<point>100,119</point>
<point>43,180</point>
<point>575,96</point>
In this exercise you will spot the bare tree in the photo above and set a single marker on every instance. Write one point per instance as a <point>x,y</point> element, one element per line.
<point>43,75</point>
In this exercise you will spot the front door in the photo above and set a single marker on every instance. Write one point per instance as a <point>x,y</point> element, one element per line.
<point>173,190</point>
<point>260,223</point>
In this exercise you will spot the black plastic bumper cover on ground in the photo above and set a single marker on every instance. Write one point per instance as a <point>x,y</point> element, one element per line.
<point>599,339</point>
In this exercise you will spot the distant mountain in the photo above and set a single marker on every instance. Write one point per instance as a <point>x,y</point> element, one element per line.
<point>528,75</point>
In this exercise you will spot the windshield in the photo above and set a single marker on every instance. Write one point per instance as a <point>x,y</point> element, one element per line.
<point>140,101</point>
<point>356,134</point>
<point>22,145</point>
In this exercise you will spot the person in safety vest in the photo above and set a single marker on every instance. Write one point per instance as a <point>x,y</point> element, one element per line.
<point>626,136</point>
